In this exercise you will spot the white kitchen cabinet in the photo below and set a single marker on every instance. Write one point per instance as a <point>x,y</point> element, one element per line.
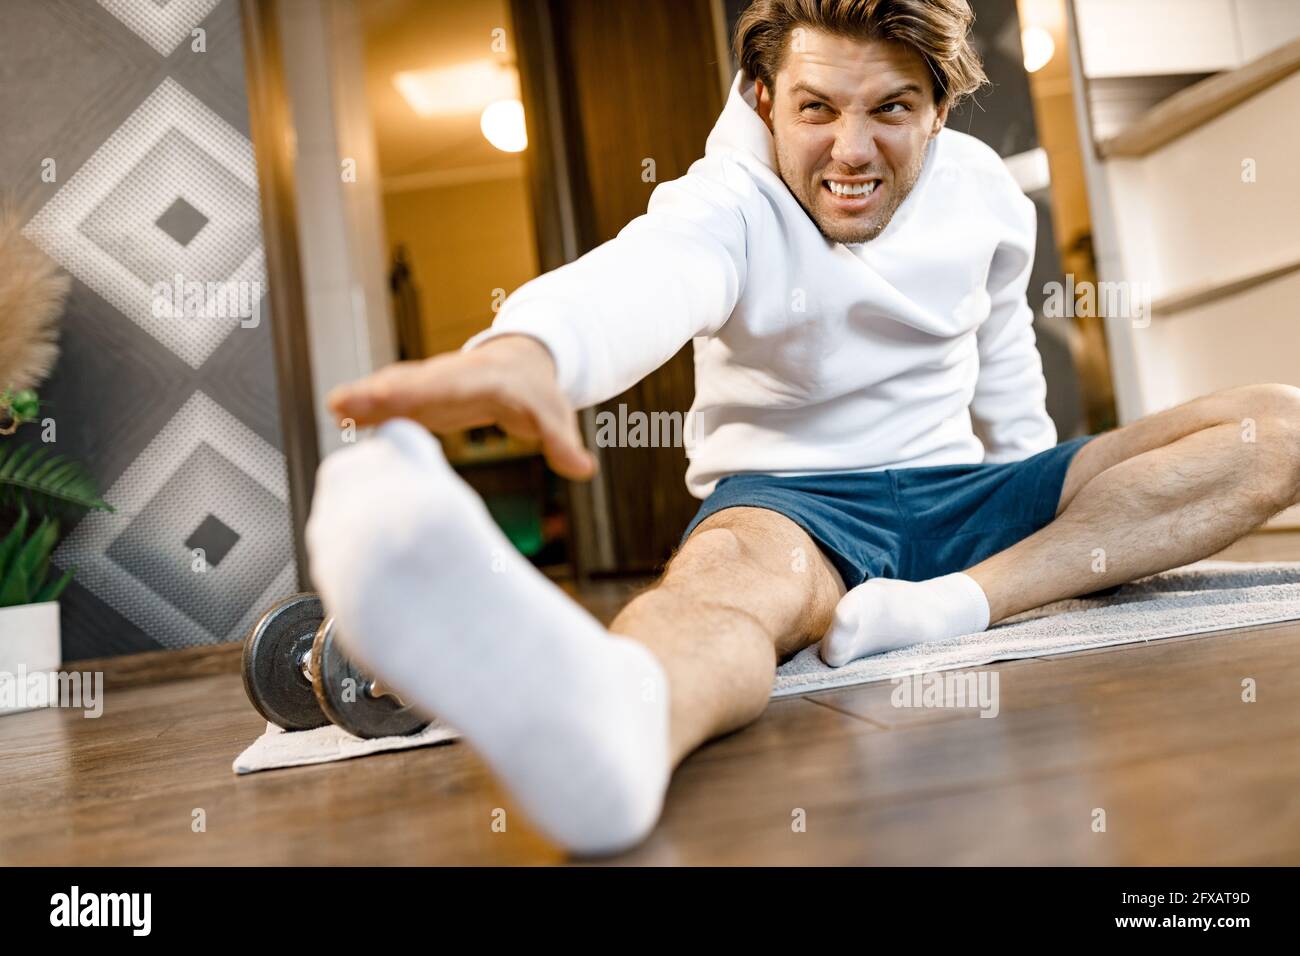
<point>1157,37</point>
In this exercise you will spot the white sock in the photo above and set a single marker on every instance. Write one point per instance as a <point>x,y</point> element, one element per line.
<point>432,597</point>
<point>882,614</point>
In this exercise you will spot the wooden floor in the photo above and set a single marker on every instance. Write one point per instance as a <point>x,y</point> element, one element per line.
<point>1156,735</point>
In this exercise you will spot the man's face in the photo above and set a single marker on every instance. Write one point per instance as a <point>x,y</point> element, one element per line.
<point>851,120</point>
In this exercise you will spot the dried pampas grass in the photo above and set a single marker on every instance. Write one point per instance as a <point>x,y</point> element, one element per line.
<point>32,295</point>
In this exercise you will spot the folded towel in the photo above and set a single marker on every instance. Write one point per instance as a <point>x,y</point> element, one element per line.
<point>1195,599</point>
<point>280,748</point>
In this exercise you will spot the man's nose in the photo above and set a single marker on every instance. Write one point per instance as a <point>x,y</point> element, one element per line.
<point>855,144</point>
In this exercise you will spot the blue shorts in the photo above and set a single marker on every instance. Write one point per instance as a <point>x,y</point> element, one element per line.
<point>909,523</point>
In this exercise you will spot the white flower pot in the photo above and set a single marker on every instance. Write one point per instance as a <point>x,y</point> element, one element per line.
<point>29,643</point>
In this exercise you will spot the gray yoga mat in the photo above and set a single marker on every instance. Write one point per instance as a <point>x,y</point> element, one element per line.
<point>1200,597</point>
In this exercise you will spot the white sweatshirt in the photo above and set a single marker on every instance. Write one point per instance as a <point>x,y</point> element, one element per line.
<point>811,355</point>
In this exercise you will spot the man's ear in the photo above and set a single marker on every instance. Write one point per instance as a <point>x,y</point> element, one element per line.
<point>940,118</point>
<point>763,99</point>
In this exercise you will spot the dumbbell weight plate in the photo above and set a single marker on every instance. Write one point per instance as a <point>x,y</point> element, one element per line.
<point>345,695</point>
<point>272,663</point>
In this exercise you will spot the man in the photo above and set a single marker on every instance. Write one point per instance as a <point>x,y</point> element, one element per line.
<point>853,276</point>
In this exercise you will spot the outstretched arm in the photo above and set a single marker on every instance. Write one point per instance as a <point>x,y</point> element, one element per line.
<point>618,313</point>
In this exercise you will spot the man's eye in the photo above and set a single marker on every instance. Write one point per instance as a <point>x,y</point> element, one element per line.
<point>814,106</point>
<point>903,107</point>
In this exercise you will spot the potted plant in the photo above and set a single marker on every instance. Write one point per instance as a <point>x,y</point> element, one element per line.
<point>30,637</point>
<point>29,607</point>
<point>33,480</point>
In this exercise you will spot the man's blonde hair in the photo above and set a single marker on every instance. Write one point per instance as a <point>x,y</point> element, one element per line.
<point>939,30</point>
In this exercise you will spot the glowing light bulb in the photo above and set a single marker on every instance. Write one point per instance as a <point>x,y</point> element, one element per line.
<point>502,123</point>
<point>1038,46</point>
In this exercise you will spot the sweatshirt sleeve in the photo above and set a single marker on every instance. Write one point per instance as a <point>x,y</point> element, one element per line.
<point>614,315</point>
<point>1009,407</point>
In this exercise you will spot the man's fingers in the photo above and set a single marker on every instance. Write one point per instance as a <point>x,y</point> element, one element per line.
<point>446,394</point>
<point>555,425</point>
<point>562,445</point>
<point>430,391</point>
<point>374,398</point>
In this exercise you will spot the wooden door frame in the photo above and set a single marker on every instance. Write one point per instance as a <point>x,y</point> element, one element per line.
<point>554,172</point>
<point>270,127</point>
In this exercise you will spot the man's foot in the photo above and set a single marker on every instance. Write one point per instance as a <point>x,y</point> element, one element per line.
<point>883,614</point>
<point>432,597</point>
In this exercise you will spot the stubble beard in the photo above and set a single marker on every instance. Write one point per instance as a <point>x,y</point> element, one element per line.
<point>853,231</point>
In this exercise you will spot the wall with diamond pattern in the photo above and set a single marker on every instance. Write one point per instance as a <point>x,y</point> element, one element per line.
<point>168,398</point>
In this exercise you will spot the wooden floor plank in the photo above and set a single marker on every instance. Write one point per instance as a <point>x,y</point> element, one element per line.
<point>1195,773</point>
<point>122,789</point>
<point>1235,804</point>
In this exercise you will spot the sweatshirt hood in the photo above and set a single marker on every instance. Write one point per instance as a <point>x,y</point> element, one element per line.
<point>740,128</point>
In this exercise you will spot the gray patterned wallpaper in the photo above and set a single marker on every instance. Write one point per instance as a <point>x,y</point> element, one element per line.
<point>165,387</point>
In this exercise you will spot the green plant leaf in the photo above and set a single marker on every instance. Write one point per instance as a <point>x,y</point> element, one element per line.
<point>45,538</point>
<point>23,472</point>
<point>53,589</point>
<point>30,474</point>
<point>27,574</point>
<point>12,541</point>
<point>11,466</point>
<point>25,563</point>
<point>14,589</point>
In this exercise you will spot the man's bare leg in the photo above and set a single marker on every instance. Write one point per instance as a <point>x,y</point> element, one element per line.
<point>1164,491</point>
<point>747,589</point>
<point>1172,488</point>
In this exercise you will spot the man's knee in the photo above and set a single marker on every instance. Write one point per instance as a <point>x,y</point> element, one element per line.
<point>735,561</point>
<point>1272,400</point>
<point>1271,421</point>
<point>764,564</point>
<point>1264,444</point>
<point>704,548</point>
<point>1279,440</point>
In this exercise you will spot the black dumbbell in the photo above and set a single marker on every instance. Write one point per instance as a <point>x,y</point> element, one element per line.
<point>298,677</point>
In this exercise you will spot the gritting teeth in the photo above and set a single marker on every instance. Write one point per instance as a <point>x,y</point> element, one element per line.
<point>851,189</point>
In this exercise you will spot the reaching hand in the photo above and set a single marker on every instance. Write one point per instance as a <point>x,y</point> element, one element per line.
<point>508,382</point>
